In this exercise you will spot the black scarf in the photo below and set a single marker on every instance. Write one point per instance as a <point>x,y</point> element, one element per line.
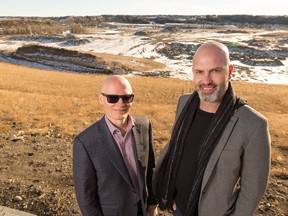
<point>170,165</point>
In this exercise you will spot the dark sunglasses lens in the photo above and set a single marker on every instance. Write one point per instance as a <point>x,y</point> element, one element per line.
<point>127,98</point>
<point>112,98</point>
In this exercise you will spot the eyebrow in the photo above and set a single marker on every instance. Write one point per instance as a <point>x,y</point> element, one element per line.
<point>218,68</point>
<point>215,68</point>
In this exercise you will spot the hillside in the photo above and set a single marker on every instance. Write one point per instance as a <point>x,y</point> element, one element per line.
<point>92,21</point>
<point>41,111</point>
<point>258,52</point>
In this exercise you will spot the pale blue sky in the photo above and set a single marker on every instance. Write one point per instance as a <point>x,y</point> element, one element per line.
<point>141,7</point>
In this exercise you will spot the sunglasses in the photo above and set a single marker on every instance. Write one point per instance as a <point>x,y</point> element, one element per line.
<point>115,98</point>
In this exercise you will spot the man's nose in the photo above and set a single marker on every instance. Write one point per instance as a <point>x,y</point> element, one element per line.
<point>206,79</point>
<point>120,101</point>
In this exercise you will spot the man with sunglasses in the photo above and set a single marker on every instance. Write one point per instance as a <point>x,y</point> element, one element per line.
<point>113,159</point>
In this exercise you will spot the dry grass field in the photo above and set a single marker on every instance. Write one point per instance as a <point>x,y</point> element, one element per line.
<point>41,112</point>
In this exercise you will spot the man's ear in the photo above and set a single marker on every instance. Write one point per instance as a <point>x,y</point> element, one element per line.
<point>231,68</point>
<point>101,99</point>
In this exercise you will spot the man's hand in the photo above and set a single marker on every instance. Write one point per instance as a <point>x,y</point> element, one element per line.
<point>174,206</point>
<point>152,210</point>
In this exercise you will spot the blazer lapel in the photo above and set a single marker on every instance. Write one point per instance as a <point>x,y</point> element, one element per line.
<point>138,150</point>
<point>217,151</point>
<point>138,138</point>
<point>112,150</point>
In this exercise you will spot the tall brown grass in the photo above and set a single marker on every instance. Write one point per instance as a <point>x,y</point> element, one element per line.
<point>38,98</point>
<point>29,26</point>
<point>18,26</point>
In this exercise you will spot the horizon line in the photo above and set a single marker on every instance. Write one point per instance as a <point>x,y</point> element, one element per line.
<point>240,14</point>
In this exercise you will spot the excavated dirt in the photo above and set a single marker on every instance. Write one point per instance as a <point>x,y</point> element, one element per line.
<point>36,175</point>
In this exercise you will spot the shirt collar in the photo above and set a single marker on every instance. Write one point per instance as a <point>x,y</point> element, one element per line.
<point>113,128</point>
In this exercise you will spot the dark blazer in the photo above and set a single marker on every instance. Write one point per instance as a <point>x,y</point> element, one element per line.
<point>102,182</point>
<point>236,175</point>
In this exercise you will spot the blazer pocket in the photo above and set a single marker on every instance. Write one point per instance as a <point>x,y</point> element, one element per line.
<point>109,210</point>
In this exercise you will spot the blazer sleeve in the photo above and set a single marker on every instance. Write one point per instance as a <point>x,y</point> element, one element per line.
<point>85,180</point>
<point>254,172</point>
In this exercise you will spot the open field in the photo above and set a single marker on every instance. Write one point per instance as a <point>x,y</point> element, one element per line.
<point>41,111</point>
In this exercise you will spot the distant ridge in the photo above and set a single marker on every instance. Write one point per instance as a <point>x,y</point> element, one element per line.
<point>89,21</point>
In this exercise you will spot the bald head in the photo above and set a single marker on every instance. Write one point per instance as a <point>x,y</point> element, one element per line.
<point>116,85</point>
<point>212,50</point>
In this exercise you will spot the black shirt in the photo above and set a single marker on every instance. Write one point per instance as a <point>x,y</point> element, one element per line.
<point>188,165</point>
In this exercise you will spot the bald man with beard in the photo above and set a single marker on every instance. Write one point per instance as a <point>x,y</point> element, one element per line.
<point>218,159</point>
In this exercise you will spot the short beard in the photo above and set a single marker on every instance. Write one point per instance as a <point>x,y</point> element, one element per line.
<point>216,96</point>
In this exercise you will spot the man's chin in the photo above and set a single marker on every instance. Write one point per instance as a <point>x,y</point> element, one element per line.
<point>208,98</point>
<point>123,116</point>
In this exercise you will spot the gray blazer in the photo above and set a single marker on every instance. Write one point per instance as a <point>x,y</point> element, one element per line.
<point>102,182</point>
<point>236,175</point>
